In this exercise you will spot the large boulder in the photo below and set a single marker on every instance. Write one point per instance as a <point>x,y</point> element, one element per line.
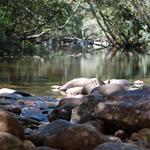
<point>129,111</point>
<point>79,82</point>
<point>90,86</point>
<point>108,89</point>
<point>10,142</point>
<point>82,112</point>
<point>77,137</point>
<point>10,124</point>
<point>117,146</point>
<point>64,109</point>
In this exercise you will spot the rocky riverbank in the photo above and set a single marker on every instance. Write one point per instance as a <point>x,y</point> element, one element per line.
<point>92,115</point>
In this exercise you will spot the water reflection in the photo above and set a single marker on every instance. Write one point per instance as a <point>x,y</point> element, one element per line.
<point>35,74</point>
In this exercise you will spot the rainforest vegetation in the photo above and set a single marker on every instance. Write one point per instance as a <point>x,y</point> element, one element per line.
<point>124,24</point>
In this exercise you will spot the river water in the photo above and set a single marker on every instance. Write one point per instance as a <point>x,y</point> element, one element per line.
<point>36,75</point>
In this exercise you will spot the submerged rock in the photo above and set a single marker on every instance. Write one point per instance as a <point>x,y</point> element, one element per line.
<point>34,113</point>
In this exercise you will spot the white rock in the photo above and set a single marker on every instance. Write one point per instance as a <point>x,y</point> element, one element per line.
<point>6,91</point>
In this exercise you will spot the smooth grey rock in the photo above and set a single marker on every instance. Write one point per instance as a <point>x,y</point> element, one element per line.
<point>79,82</point>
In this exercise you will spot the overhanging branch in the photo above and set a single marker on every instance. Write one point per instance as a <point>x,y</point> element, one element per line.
<point>57,28</point>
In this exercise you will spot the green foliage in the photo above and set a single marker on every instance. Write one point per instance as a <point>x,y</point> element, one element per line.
<point>22,18</point>
<point>27,15</point>
<point>125,22</point>
<point>145,35</point>
<point>4,18</point>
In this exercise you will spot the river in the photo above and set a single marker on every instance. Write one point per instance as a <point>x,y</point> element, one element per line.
<point>36,75</point>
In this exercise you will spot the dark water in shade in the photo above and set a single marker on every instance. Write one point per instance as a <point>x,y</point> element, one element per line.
<point>36,75</point>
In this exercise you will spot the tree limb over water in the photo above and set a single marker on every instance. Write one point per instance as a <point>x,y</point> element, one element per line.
<point>59,27</point>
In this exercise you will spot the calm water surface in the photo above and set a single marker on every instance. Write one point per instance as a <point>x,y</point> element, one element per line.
<point>36,75</point>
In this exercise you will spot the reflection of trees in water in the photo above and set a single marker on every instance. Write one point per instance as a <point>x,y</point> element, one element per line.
<point>121,66</point>
<point>144,63</point>
<point>56,68</point>
<point>6,73</point>
<point>59,68</point>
